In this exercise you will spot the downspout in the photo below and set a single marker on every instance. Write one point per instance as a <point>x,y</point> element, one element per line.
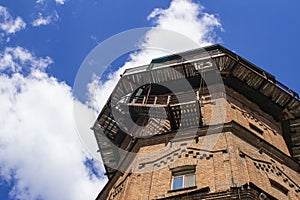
<point>151,182</point>
<point>230,163</point>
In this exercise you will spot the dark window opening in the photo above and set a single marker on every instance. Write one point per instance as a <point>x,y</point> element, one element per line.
<point>279,187</point>
<point>255,128</point>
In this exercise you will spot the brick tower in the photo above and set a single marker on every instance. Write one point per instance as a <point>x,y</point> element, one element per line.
<point>202,124</point>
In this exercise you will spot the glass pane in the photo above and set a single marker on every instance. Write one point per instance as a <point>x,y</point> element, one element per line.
<point>189,180</point>
<point>177,183</point>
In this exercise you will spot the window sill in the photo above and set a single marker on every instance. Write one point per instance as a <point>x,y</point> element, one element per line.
<point>182,189</point>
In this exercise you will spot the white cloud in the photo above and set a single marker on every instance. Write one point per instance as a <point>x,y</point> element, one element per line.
<point>183,17</point>
<point>41,155</point>
<point>41,21</point>
<point>189,19</point>
<point>40,152</point>
<point>60,1</point>
<point>8,24</point>
<point>14,59</point>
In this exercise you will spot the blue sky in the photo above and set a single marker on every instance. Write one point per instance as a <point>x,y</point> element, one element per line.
<point>42,46</point>
<point>258,31</point>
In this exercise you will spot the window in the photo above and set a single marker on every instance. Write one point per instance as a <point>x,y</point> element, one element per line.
<point>183,179</point>
<point>279,187</point>
<point>255,128</point>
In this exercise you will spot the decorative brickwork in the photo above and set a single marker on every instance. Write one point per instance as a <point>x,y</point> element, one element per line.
<point>252,154</point>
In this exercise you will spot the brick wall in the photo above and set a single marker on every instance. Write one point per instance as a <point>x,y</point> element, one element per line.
<point>232,162</point>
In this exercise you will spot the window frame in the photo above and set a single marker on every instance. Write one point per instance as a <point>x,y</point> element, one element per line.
<point>183,172</point>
